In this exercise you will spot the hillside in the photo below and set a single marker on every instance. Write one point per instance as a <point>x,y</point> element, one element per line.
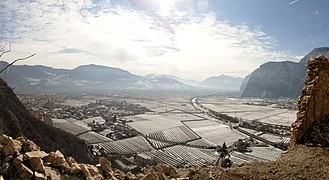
<point>16,121</point>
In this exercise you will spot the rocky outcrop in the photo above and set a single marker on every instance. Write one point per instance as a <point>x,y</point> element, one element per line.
<point>312,124</point>
<point>17,162</point>
<point>33,163</point>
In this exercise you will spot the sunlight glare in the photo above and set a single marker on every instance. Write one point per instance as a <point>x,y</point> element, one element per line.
<point>165,6</point>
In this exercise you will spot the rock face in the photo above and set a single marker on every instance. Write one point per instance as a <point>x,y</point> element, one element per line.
<point>275,79</point>
<point>279,79</point>
<point>312,124</point>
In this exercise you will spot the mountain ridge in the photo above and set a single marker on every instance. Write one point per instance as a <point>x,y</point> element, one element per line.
<point>84,78</point>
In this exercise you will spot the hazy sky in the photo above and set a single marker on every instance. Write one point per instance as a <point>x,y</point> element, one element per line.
<point>192,39</point>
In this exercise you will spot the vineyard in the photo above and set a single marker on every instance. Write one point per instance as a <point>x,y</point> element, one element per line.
<point>189,155</point>
<point>257,154</point>
<point>215,132</point>
<point>202,143</point>
<point>69,127</point>
<point>151,123</point>
<point>127,146</point>
<point>93,138</point>
<point>176,135</point>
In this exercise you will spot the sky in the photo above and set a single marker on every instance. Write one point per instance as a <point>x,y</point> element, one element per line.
<point>192,39</point>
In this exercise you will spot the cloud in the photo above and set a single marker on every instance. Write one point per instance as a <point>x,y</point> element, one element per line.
<point>179,40</point>
<point>70,50</point>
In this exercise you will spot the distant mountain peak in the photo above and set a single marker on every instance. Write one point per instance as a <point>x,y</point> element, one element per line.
<point>315,53</point>
<point>223,82</point>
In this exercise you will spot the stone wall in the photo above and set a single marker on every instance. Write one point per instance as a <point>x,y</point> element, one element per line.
<point>312,124</point>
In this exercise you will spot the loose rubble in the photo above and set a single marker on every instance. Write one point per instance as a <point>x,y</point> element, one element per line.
<point>21,158</point>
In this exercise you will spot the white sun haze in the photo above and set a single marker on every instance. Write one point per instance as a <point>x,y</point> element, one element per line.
<point>68,35</point>
<point>165,7</point>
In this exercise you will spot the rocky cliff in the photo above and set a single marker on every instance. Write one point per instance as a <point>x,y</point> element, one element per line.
<point>275,79</point>
<point>16,121</point>
<point>279,79</point>
<point>312,124</point>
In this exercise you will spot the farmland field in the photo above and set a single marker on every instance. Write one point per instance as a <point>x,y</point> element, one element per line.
<point>215,132</point>
<point>239,108</point>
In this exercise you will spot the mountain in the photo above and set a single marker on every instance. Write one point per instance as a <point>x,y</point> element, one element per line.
<point>189,82</point>
<point>83,78</point>
<point>279,79</point>
<point>315,53</point>
<point>16,121</point>
<point>223,82</point>
<point>276,79</point>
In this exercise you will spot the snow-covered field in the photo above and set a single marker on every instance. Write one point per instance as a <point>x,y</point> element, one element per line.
<point>238,108</point>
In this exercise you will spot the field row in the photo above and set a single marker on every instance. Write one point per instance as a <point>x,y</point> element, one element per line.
<point>70,127</point>
<point>179,134</point>
<point>127,146</point>
<point>179,156</point>
<point>215,132</point>
<point>257,154</point>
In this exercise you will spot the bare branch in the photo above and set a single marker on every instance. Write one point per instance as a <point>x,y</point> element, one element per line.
<point>2,46</point>
<point>2,49</point>
<point>19,59</point>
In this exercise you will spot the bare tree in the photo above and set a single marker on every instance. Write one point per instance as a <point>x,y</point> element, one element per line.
<point>6,48</point>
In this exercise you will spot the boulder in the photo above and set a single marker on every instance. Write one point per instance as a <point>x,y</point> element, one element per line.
<point>52,173</point>
<point>18,160</point>
<point>105,165</point>
<point>75,168</point>
<point>165,169</point>
<point>30,146</point>
<point>57,159</point>
<point>37,164</point>
<point>8,158</point>
<point>39,176</point>
<point>4,139</point>
<point>70,160</point>
<point>150,176</point>
<point>91,172</point>
<point>34,154</point>
<point>131,176</point>
<point>12,147</point>
<point>24,172</point>
<point>21,139</point>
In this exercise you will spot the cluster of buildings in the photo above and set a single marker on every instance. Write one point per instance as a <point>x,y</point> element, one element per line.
<point>55,106</point>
